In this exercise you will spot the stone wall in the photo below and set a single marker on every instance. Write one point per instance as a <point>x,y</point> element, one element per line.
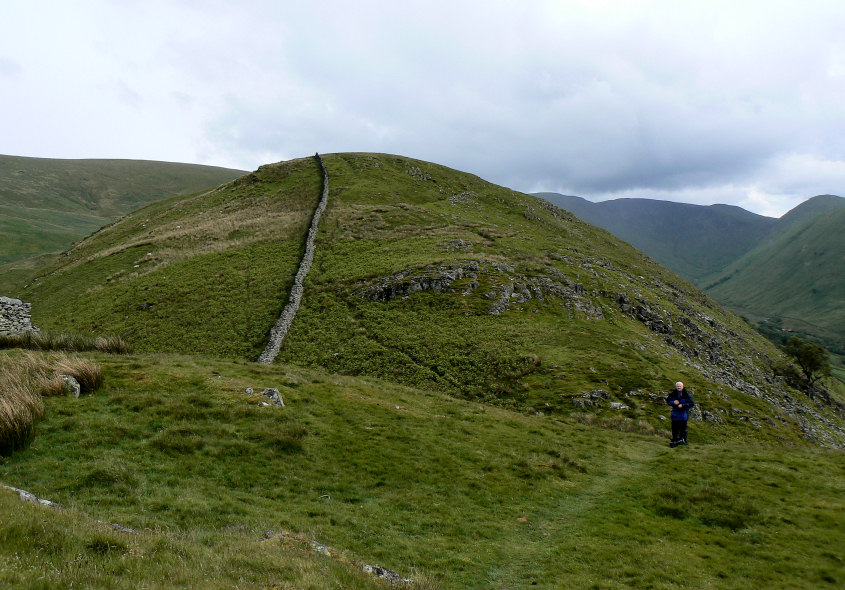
<point>282,325</point>
<point>15,316</point>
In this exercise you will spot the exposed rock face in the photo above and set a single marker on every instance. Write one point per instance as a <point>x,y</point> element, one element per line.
<point>15,316</point>
<point>498,282</point>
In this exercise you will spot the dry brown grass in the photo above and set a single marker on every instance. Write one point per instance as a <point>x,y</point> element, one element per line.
<point>21,407</point>
<point>28,377</point>
<point>65,342</point>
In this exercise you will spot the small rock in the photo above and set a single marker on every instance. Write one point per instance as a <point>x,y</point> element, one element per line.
<point>274,396</point>
<point>386,574</point>
<point>72,386</point>
<point>123,529</point>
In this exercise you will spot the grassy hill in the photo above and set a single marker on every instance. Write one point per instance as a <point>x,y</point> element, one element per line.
<point>423,275</point>
<point>797,275</point>
<point>473,398</point>
<point>451,493</point>
<point>692,240</point>
<point>772,270</point>
<point>47,204</point>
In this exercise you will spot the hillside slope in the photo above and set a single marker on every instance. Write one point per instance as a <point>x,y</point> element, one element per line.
<point>46,204</point>
<point>691,240</point>
<point>759,266</point>
<point>225,492</point>
<point>797,274</point>
<point>433,278</point>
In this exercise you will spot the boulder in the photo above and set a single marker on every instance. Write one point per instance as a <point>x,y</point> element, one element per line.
<point>72,386</point>
<point>272,394</point>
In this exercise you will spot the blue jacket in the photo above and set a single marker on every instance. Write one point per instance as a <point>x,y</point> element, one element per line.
<point>683,396</point>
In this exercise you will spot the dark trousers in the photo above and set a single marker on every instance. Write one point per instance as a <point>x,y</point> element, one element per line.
<point>679,431</point>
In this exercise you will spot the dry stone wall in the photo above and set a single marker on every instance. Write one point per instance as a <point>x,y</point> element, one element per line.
<point>15,316</point>
<point>283,324</point>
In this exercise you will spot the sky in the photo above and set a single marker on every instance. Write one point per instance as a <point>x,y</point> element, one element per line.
<point>692,101</point>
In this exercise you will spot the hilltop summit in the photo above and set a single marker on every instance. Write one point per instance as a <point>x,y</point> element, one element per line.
<point>429,277</point>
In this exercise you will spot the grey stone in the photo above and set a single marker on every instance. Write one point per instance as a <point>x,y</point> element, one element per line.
<point>385,574</point>
<point>274,396</point>
<point>15,317</point>
<point>72,386</point>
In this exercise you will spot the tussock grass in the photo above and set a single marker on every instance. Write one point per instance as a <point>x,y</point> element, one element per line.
<point>21,408</point>
<point>65,342</point>
<point>27,378</point>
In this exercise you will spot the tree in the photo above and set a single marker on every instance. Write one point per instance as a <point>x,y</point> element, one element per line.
<point>811,357</point>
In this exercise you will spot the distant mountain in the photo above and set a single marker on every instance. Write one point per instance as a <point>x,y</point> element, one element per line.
<point>47,204</point>
<point>693,240</point>
<point>797,273</point>
<point>790,268</point>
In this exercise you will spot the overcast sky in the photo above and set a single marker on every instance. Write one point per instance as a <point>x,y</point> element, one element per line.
<point>739,102</point>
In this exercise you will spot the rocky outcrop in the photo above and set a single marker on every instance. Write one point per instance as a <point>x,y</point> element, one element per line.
<point>497,282</point>
<point>283,324</point>
<point>15,316</point>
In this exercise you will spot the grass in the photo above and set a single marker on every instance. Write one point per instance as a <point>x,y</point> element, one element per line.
<point>209,273</point>
<point>65,342</point>
<point>47,204</point>
<point>25,379</point>
<point>67,549</point>
<point>422,434</point>
<point>452,493</point>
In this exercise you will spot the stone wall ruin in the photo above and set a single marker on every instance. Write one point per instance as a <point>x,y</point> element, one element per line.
<point>15,316</point>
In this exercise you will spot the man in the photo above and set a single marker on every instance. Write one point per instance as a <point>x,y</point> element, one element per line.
<point>680,401</point>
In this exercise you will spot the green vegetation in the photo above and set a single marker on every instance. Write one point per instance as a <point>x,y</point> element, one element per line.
<point>812,358</point>
<point>448,492</point>
<point>796,274</point>
<point>65,342</point>
<point>46,205</point>
<point>24,380</point>
<point>209,274</point>
<point>692,240</point>
<point>473,396</point>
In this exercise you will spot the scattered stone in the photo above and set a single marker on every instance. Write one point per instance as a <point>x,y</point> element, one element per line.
<point>709,417</point>
<point>417,173</point>
<point>72,386</point>
<point>124,529</point>
<point>32,498</point>
<point>274,396</point>
<point>618,406</point>
<point>385,574</point>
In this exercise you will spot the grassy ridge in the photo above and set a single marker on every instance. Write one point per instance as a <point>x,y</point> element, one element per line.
<point>209,274</point>
<point>205,274</point>
<point>403,478</point>
<point>47,204</point>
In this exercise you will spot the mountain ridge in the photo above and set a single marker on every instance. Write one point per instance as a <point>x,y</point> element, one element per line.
<point>422,274</point>
<point>46,204</point>
<point>731,250</point>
